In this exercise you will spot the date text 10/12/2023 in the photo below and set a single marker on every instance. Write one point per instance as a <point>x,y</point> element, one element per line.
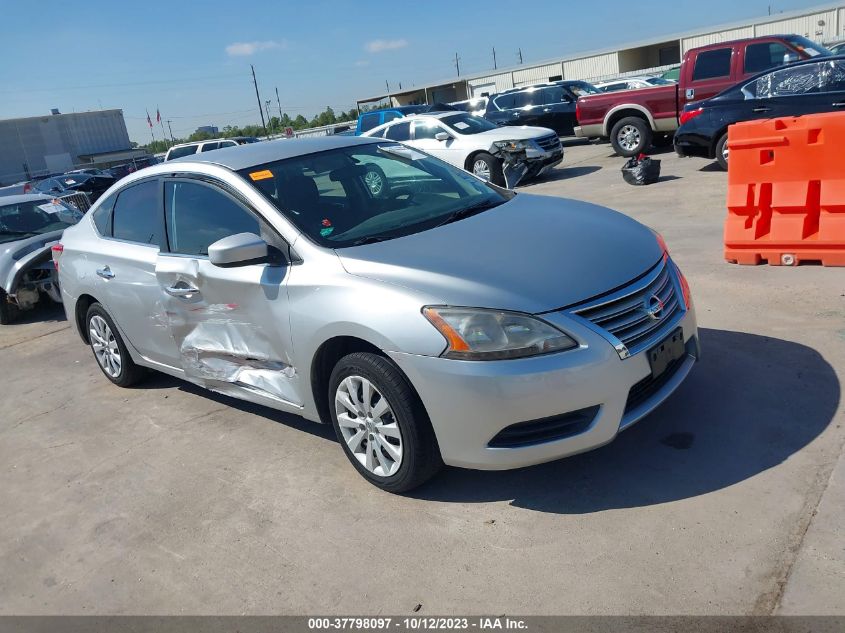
<point>479,623</point>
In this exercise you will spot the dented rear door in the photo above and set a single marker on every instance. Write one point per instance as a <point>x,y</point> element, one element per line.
<point>230,325</point>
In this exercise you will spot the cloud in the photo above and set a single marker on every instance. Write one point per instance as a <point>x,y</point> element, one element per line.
<point>362,62</point>
<point>378,46</point>
<point>245,49</point>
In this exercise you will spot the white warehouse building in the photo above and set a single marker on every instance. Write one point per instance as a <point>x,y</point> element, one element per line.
<point>823,24</point>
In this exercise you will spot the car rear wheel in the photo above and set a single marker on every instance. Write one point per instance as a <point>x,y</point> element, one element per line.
<point>381,424</point>
<point>487,167</point>
<point>109,349</point>
<point>722,151</point>
<point>631,136</point>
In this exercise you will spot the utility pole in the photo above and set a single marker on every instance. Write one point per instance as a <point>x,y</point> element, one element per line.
<point>171,130</point>
<point>258,98</point>
<point>520,55</point>
<point>387,85</point>
<point>458,64</point>
<point>279,101</point>
<point>494,58</point>
<point>267,105</point>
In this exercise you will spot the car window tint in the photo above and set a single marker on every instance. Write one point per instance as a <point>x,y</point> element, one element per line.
<point>198,215</point>
<point>788,81</point>
<point>369,121</point>
<point>554,95</point>
<point>178,152</point>
<point>527,98</point>
<point>207,147</point>
<point>137,214</point>
<point>399,132</point>
<point>760,57</point>
<point>426,129</point>
<point>102,216</point>
<point>712,64</point>
<point>390,116</point>
<point>505,102</point>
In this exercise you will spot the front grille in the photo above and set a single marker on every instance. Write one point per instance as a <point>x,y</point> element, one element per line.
<point>79,200</point>
<point>624,315</point>
<point>549,143</point>
<point>649,385</point>
<point>545,430</point>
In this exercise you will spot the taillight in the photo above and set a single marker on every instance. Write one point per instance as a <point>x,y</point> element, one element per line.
<point>689,115</point>
<point>57,250</point>
<point>27,187</point>
<point>578,111</point>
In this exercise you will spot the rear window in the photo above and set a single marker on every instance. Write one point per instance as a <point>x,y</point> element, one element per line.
<point>178,152</point>
<point>713,64</point>
<point>137,215</point>
<point>207,147</point>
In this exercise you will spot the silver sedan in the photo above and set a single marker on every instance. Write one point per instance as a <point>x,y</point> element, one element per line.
<point>430,317</point>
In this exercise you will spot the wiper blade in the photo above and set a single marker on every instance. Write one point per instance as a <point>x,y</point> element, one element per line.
<point>370,239</point>
<point>466,212</point>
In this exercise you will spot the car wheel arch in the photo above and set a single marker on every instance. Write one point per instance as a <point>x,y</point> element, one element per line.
<point>716,138</point>
<point>621,112</point>
<point>80,313</point>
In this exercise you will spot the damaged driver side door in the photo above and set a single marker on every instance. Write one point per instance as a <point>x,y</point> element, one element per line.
<point>230,323</point>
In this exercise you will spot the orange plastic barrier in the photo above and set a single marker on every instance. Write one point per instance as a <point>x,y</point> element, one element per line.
<point>786,191</point>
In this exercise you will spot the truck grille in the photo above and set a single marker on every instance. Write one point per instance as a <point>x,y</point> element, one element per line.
<point>548,143</point>
<point>624,315</point>
<point>79,200</point>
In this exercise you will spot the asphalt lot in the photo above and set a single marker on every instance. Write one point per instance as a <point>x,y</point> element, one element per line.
<point>728,500</point>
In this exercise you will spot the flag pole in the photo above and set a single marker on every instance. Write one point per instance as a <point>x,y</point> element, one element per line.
<point>161,123</point>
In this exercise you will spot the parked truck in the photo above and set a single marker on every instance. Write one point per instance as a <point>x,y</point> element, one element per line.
<point>634,119</point>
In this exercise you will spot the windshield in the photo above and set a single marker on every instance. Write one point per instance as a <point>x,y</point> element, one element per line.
<point>352,195</point>
<point>34,217</point>
<point>580,88</point>
<point>808,46</point>
<point>468,124</point>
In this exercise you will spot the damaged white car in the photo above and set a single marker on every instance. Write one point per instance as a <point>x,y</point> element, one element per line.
<point>30,225</point>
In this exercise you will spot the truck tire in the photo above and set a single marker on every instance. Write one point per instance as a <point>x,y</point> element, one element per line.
<point>631,136</point>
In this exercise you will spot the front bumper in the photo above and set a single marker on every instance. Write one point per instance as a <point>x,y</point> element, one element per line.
<point>470,402</point>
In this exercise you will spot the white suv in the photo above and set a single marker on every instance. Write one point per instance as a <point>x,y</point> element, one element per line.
<point>186,149</point>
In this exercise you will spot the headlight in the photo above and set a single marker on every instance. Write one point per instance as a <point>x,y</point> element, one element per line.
<point>479,334</point>
<point>511,146</point>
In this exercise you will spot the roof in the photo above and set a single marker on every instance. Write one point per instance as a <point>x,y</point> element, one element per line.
<point>244,156</point>
<point>23,197</point>
<point>66,115</point>
<point>715,28</point>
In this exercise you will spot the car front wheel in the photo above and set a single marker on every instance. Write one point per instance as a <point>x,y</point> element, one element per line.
<point>381,423</point>
<point>631,136</point>
<point>109,349</point>
<point>487,167</point>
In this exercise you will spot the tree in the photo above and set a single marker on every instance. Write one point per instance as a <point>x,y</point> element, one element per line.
<point>300,122</point>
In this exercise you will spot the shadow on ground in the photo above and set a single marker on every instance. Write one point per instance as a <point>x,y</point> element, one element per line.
<point>748,405</point>
<point>564,173</point>
<point>43,312</point>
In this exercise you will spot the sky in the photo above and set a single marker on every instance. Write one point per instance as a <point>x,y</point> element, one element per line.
<point>192,59</point>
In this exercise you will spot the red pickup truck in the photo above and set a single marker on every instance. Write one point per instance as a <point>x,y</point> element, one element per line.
<point>632,119</point>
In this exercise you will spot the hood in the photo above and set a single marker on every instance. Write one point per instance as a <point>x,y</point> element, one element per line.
<point>15,256</point>
<point>514,132</point>
<point>532,254</point>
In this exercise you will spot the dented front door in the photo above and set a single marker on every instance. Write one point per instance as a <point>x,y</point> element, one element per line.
<point>230,325</point>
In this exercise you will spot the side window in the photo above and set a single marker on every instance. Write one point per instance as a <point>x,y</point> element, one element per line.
<point>102,216</point>
<point>788,81</point>
<point>207,147</point>
<point>228,144</point>
<point>426,129</point>
<point>527,98</point>
<point>834,76</point>
<point>390,116</point>
<point>399,132</point>
<point>713,64</point>
<point>505,102</point>
<point>137,215</point>
<point>178,152</point>
<point>369,121</point>
<point>198,215</point>
<point>760,57</point>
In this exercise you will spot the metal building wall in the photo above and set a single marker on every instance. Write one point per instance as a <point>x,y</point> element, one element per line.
<point>536,74</point>
<point>807,25</point>
<point>596,66</point>
<point>489,84</point>
<point>715,38</point>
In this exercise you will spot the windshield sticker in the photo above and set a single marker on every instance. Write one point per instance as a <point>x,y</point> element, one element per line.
<point>460,125</point>
<point>53,207</point>
<point>326,231</point>
<point>264,174</point>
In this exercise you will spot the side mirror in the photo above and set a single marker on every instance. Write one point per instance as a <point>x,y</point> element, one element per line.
<point>790,58</point>
<point>442,136</point>
<point>238,250</point>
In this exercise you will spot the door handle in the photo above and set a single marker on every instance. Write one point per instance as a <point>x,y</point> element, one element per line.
<point>105,273</point>
<point>182,291</point>
<point>761,109</point>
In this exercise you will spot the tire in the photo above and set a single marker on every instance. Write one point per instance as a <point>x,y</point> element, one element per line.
<point>722,151</point>
<point>121,371</point>
<point>491,166</point>
<point>8,311</point>
<point>396,417</point>
<point>631,136</point>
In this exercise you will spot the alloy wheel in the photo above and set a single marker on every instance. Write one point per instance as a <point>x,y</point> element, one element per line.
<point>105,346</point>
<point>629,138</point>
<point>374,182</point>
<point>481,169</point>
<point>368,426</point>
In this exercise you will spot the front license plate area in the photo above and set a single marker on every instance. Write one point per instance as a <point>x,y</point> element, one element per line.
<point>670,349</point>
